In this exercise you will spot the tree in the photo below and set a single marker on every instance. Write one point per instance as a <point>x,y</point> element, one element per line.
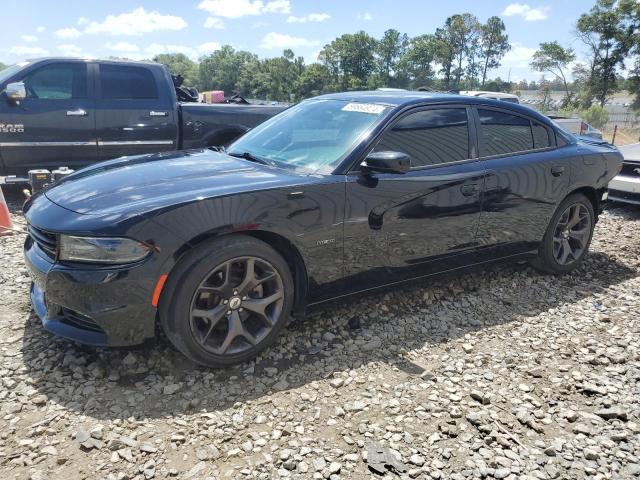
<point>630,17</point>
<point>553,58</point>
<point>608,42</point>
<point>221,70</point>
<point>390,50</point>
<point>455,42</point>
<point>180,64</point>
<point>314,80</point>
<point>494,44</point>
<point>417,62</point>
<point>352,57</point>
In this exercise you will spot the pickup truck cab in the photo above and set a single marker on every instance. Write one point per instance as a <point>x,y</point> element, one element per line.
<point>75,112</point>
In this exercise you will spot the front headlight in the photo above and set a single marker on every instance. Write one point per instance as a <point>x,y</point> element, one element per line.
<point>101,249</point>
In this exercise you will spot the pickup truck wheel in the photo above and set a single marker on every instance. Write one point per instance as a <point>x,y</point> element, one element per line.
<point>568,236</point>
<point>227,301</point>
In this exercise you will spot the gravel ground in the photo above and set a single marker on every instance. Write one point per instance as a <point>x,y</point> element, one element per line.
<point>502,373</point>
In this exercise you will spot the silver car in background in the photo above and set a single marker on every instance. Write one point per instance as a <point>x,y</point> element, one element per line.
<point>625,187</point>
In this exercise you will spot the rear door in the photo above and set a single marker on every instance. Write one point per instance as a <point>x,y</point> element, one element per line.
<point>55,124</point>
<point>136,111</point>
<point>526,179</point>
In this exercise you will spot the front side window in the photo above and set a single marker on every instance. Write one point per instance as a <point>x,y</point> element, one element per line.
<point>429,137</point>
<point>57,82</point>
<point>502,133</point>
<point>314,135</point>
<point>127,83</point>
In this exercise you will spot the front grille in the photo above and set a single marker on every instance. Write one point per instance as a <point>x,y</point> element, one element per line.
<point>48,242</point>
<point>630,169</point>
<point>78,320</point>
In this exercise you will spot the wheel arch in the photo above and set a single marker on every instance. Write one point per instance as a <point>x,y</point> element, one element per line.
<point>594,195</point>
<point>287,249</point>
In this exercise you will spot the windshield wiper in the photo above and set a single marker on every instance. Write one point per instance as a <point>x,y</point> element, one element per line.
<point>251,157</point>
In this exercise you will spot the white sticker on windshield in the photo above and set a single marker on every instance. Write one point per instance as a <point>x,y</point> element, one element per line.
<point>364,108</point>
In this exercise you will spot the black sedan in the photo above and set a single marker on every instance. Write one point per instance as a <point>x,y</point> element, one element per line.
<point>340,194</point>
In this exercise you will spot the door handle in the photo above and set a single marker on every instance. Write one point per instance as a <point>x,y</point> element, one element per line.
<point>153,113</point>
<point>469,189</point>
<point>557,171</point>
<point>77,113</point>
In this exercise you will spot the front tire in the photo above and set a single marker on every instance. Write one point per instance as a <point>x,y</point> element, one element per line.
<point>227,301</point>
<point>568,236</point>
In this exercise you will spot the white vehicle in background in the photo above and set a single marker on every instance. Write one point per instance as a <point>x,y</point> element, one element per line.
<point>625,187</point>
<point>505,97</point>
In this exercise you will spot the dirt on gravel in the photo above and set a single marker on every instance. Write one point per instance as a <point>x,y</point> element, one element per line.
<point>498,373</point>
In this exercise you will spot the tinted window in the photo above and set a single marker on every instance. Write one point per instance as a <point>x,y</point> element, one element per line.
<point>502,133</point>
<point>127,82</point>
<point>57,82</point>
<point>541,136</point>
<point>430,137</point>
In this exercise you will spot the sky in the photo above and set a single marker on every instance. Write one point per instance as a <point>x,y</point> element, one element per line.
<point>143,28</point>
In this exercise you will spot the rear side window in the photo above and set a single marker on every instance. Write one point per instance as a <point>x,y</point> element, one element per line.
<point>131,83</point>
<point>430,137</point>
<point>61,81</point>
<point>541,136</point>
<point>503,133</point>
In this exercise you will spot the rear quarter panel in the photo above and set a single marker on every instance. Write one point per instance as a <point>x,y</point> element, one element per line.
<point>206,125</point>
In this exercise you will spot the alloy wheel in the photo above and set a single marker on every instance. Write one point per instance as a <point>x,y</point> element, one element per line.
<point>572,233</point>
<point>236,305</point>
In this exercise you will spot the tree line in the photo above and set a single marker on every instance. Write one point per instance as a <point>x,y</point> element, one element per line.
<point>459,55</point>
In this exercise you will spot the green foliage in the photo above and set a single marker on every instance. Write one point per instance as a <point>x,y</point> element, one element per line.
<point>180,64</point>
<point>494,44</point>
<point>553,58</point>
<point>351,59</point>
<point>596,115</point>
<point>221,70</point>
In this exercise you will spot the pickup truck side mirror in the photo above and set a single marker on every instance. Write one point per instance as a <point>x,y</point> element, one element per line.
<point>16,91</point>
<point>387,162</point>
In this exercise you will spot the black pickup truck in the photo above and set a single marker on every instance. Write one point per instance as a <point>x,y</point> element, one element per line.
<point>73,112</point>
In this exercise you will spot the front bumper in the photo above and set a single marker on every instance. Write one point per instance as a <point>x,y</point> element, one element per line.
<point>625,189</point>
<point>92,305</point>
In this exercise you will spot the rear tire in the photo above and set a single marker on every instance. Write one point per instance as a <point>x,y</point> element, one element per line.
<point>568,236</point>
<point>227,301</point>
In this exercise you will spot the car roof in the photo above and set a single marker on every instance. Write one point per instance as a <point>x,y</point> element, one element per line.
<point>409,98</point>
<point>91,59</point>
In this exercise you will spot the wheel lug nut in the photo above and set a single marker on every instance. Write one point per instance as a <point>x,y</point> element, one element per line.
<point>225,301</point>
<point>244,298</point>
<point>240,309</point>
<point>235,292</point>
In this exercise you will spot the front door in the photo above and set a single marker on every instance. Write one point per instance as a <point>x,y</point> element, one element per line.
<point>55,122</point>
<point>135,114</point>
<point>399,226</point>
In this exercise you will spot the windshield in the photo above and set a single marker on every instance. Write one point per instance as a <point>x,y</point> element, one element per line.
<point>314,135</point>
<point>9,71</point>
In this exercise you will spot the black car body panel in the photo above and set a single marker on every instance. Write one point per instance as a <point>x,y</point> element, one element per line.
<point>91,122</point>
<point>342,232</point>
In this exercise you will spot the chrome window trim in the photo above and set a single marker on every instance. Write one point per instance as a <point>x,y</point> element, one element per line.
<point>136,142</point>
<point>47,144</point>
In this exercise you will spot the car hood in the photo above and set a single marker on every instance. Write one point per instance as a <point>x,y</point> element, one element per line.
<point>147,182</point>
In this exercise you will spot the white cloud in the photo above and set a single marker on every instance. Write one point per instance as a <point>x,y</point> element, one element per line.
<point>243,8</point>
<point>366,16</point>
<point>70,50</point>
<point>83,20</point>
<point>40,29</point>
<point>29,38</point>
<point>208,47</point>
<point>26,51</point>
<point>312,17</point>
<point>281,40</point>
<point>191,52</point>
<point>136,22</point>
<point>68,33</point>
<point>125,47</point>
<point>214,22</point>
<point>527,12</point>
<point>518,57</point>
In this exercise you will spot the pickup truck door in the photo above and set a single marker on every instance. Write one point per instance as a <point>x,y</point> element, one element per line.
<point>55,124</point>
<point>136,111</point>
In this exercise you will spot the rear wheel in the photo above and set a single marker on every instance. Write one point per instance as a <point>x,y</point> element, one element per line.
<point>227,301</point>
<point>568,236</point>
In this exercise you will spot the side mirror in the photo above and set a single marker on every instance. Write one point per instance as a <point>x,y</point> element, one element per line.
<point>16,91</point>
<point>387,162</point>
